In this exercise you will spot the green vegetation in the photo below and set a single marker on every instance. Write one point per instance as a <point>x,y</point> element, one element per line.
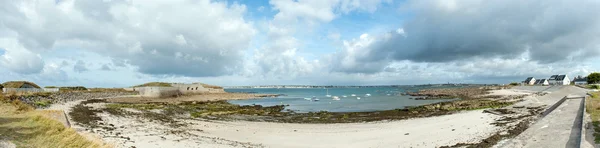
<point>43,103</point>
<point>514,84</point>
<point>155,84</point>
<point>72,88</point>
<point>25,127</point>
<point>50,87</point>
<point>211,86</point>
<point>222,110</point>
<point>107,90</point>
<point>19,84</point>
<point>593,78</point>
<point>593,108</point>
<point>593,86</point>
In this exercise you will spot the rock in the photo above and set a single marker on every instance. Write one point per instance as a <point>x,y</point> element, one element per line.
<point>406,134</point>
<point>7,144</point>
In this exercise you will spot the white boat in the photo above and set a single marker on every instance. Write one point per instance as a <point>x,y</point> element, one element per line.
<point>307,99</point>
<point>344,96</point>
<point>358,98</point>
<point>315,98</point>
<point>353,95</point>
<point>336,98</point>
<point>367,95</point>
<point>327,93</point>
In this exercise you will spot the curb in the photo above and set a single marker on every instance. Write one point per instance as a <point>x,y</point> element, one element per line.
<point>582,119</point>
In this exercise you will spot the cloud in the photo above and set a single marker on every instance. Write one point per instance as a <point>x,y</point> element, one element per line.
<point>172,41</point>
<point>280,56</point>
<point>105,67</point>
<point>18,59</point>
<point>80,66</point>
<point>443,31</point>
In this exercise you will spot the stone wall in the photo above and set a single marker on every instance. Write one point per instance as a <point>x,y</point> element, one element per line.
<point>25,90</point>
<point>190,88</point>
<point>63,97</point>
<point>158,92</point>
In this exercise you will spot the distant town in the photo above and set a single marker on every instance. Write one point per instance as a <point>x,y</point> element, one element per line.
<point>356,86</point>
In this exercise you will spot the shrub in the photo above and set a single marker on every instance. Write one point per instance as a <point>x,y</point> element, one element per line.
<point>593,78</point>
<point>514,84</point>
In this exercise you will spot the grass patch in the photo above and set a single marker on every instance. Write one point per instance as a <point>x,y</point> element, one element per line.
<point>28,128</point>
<point>593,108</point>
<point>42,103</point>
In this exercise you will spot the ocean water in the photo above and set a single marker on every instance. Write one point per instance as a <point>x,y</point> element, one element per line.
<point>382,98</point>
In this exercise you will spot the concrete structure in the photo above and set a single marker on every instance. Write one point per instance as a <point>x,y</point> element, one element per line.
<point>177,89</point>
<point>559,80</point>
<point>560,127</point>
<point>529,81</point>
<point>158,92</point>
<point>579,80</point>
<point>194,88</point>
<point>542,82</point>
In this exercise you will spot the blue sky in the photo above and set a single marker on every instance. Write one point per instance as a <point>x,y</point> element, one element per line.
<point>313,42</point>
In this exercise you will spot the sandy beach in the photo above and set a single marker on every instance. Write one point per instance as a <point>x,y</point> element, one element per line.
<point>463,127</point>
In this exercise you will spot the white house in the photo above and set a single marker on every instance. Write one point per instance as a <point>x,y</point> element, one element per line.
<point>579,80</point>
<point>559,80</point>
<point>529,81</point>
<point>543,82</point>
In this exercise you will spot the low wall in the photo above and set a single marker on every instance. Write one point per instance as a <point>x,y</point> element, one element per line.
<point>158,92</point>
<point>24,90</point>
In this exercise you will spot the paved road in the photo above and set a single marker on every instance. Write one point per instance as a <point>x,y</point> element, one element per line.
<point>560,128</point>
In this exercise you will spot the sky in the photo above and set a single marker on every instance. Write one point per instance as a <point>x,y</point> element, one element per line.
<point>120,43</point>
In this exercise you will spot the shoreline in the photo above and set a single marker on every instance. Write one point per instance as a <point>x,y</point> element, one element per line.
<point>141,126</point>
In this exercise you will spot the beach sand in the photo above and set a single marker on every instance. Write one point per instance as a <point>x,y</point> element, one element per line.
<point>463,127</point>
<point>466,127</point>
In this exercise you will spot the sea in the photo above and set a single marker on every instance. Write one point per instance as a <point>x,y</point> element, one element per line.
<point>351,99</point>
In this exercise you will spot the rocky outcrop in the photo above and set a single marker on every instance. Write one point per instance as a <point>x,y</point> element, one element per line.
<point>449,93</point>
<point>42,100</point>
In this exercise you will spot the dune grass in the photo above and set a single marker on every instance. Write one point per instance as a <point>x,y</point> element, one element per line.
<point>26,127</point>
<point>593,108</point>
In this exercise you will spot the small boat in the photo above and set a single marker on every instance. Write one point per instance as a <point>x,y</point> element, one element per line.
<point>344,96</point>
<point>353,95</point>
<point>328,95</point>
<point>358,98</point>
<point>307,99</point>
<point>336,98</point>
<point>315,98</point>
<point>367,95</point>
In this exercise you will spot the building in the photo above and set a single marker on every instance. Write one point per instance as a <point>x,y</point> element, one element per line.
<point>159,89</point>
<point>529,81</point>
<point>559,80</point>
<point>579,80</point>
<point>23,87</point>
<point>542,82</point>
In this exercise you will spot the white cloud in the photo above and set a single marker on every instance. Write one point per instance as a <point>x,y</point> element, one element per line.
<point>80,66</point>
<point>260,9</point>
<point>18,59</point>
<point>136,32</point>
